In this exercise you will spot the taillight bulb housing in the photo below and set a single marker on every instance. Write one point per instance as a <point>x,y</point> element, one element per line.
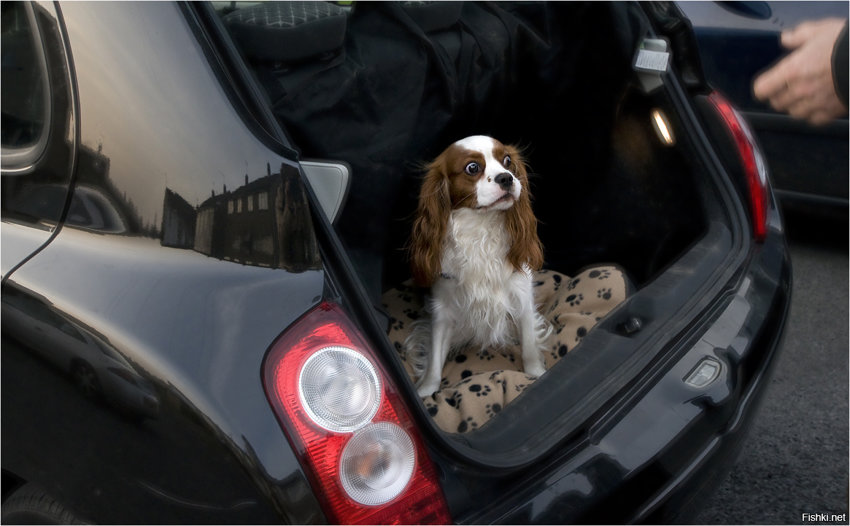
<point>752,161</point>
<point>350,428</point>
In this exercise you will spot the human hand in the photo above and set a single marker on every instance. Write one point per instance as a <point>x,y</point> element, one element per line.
<point>802,83</point>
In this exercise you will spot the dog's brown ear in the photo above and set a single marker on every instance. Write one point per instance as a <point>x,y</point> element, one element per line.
<point>429,228</point>
<point>526,248</point>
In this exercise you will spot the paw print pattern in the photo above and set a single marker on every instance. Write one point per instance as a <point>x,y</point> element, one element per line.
<point>575,299</point>
<point>581,332</point>
<point>499,381</point>
<point>484,354</point>
<point>465,425</point>
<point>557,324</point>
<point>508,355</point>
<point>467,398</point>
<point>480,390</point>
<point>599,274</point>
<point>455,399</point>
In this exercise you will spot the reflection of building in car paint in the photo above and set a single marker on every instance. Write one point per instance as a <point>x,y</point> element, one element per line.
<point>178,221</point>
<point>235,224</point>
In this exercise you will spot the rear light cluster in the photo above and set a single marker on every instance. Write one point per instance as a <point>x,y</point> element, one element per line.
<point>755,169</point>
<point>346,421</point>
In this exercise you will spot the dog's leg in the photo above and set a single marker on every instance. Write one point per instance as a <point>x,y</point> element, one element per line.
<point>440,345</point>
<point>533,329</point>
<point>532,357</point>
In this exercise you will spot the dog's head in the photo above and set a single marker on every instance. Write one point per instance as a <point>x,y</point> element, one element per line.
<point>482,174</point>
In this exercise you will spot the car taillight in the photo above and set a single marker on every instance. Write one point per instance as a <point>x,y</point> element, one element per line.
<point>755,169</point>
<point>349,426</point>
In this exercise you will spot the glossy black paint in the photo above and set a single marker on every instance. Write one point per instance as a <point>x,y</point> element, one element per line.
<point>808,164</point>
<point>189,317</point>
<point>187,322</point>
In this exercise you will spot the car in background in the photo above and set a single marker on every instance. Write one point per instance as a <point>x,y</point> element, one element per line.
<point>205,202</point>
<point>739,40</point>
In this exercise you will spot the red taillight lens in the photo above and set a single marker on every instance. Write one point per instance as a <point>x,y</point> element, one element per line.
<point>755,169</point>
<point>345,419</point>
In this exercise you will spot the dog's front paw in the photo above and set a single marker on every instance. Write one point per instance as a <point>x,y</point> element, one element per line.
<point>534,369</point>
<point>426,387</point>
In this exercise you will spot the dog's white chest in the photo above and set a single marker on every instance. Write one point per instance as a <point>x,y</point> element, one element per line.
<point>478,283</point>
<point>476,247</point>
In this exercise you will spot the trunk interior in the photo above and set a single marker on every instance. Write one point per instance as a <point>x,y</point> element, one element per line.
<point>386,86</point>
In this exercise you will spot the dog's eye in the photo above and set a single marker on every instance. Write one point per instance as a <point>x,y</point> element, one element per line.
<point>472,168</point>
<point>507,161</point>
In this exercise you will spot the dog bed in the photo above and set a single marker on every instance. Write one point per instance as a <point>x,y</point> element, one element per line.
<point>478,383</point>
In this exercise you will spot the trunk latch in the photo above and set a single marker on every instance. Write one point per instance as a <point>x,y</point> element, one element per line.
<point>651,61</point>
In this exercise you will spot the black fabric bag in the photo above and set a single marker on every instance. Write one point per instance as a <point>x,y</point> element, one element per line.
<point>411,78</point>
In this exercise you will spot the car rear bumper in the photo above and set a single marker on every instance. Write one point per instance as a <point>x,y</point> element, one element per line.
<point>652,458</point>
<point>686,493</point>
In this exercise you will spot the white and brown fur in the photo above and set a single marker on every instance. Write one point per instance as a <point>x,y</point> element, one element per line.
<point>475,244</point>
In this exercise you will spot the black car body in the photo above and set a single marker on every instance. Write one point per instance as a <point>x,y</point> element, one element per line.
<point>157,210</point>
<point>737,42</point>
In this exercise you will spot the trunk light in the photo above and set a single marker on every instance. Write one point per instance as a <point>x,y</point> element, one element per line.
<point>348,424</point>
<point>662,127</point>
<point>755,169</point>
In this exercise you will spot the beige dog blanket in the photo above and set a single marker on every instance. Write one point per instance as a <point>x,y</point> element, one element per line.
<point>478,383</point>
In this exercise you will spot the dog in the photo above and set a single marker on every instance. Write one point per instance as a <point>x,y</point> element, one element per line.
<point>475,244</point>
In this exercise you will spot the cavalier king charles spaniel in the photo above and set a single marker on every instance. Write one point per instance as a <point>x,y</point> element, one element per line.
<point>475,243</point>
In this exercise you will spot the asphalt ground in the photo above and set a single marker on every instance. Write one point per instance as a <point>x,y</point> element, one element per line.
<point>793,468</point>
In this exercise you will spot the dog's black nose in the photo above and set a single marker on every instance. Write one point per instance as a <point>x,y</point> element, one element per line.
<point>505,180</point>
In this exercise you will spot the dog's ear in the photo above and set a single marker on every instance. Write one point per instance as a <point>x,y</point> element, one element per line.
<point>526,248</point>
<point>429,228</point>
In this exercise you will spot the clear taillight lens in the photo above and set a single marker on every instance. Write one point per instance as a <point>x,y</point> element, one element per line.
<point>755,168</point>
<point>377,463</point>
<point>339,388</point>
<point>349,426</point>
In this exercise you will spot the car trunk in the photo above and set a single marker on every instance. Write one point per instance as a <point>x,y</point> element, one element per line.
<point>385,87</point>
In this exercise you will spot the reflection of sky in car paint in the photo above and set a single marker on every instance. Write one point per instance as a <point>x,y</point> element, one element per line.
<point>167,72</point>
